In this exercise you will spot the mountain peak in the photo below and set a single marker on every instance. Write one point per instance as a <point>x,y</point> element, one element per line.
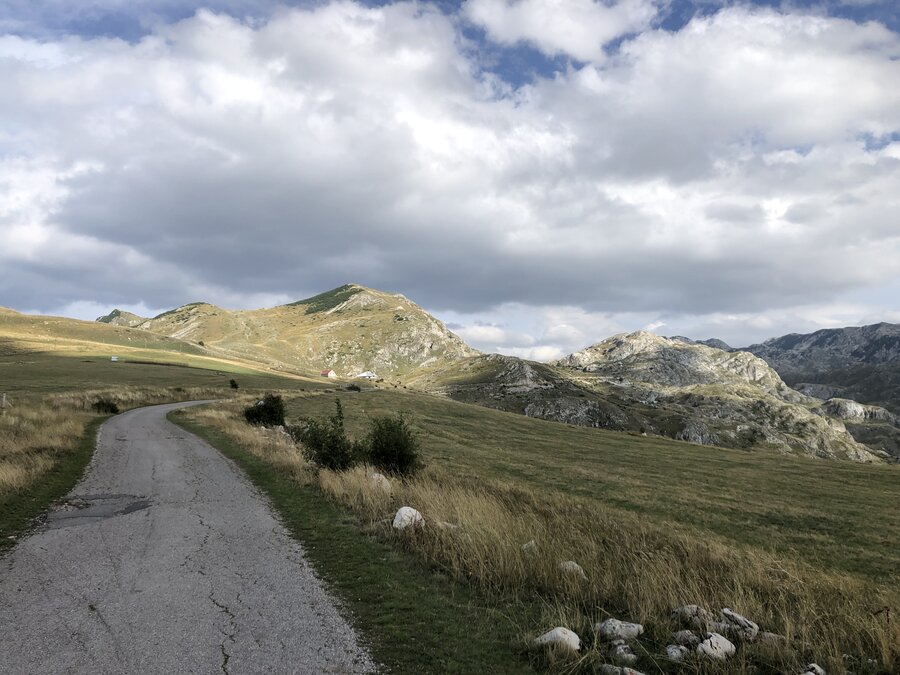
<point>119,317</point>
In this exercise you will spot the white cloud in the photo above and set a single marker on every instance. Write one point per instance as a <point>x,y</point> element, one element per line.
<point>714,172</point>
<point>577,28</point>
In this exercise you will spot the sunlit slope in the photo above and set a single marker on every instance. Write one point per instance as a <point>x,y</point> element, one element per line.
<point>350,329</point>
<point>40,353</point>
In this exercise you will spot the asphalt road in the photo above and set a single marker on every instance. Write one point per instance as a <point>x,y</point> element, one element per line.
<point>166,560</point>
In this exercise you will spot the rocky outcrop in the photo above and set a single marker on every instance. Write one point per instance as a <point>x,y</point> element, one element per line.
<point>119,317</point>
<point>845,409</point>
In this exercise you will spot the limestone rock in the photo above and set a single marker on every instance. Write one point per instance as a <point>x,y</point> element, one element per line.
<point>613,629</point>
<point>813,669</point>
<point>573,568</point>
<point>380,482</point>
<point>687,638</point>
<point>530,547</point>
<point>607,669</point>
<point>771,639</point>
<point>623,655</point>
<point>676,652</point>
<point>560,637</point>
<point>716,647</point>
<point>407,517</point>
<point>694,615</point>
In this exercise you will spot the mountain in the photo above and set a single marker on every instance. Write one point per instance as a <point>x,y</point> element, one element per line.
<point>860,363</point>
<point>650,384</point>
<point>350,329</point>
<point>118,317</point>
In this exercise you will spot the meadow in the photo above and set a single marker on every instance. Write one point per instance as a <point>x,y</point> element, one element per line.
<point>807,548</point>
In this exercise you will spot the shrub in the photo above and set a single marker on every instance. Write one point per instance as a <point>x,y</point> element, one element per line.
<point>268,412</point>
<point>353,387</point>
<point>326,442</point>
<point>233,383</point>
<point>105,406</point>
<point>393,446</point>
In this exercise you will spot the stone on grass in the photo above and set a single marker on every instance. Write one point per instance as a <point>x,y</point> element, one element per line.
<point>716,647</point>
<point>613,629</point>
<point>771,639</point>
<point>607,669</point>
<point>813,669</point>
<point>687,638</point>
<point>573,568</point>
<point>380,482</point>
<point>406,517</point>
<point>676,652</point>
<point>560,637</point>
<point>739,625</point>
<point>530,547</point>
<point>622,655</point>
<point>693,615</point>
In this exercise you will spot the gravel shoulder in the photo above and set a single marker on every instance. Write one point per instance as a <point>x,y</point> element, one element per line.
<point>165,559</point>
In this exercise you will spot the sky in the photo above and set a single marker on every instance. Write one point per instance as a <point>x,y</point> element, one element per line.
<point>539,174</point>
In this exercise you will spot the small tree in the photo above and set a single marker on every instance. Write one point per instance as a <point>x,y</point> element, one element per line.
<point>268,412</point>
<point>326,442</point>
<point>392,445</point>
<point>105,406</point>
<point>233,383</point>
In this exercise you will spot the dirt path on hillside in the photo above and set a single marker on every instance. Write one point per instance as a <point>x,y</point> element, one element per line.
<point>166,560</point>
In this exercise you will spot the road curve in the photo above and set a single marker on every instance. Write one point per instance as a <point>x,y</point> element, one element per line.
<point>166,560</point>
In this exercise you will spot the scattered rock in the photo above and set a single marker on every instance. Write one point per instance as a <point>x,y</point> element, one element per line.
<point>694,615</point>
<point>623,655</point>
<point>530,547</point>
<point>740,625</point>
<point>380,482</point>
<point>573,568</point>
<point>676,652</point>
<point>613,629</point>
<point>607,669</point>
<point>771,639</point>
<point>813,669</point>
<point>716,647</point>
<point>687,638</point>
<point>407,517</point>
<point>560,637</point>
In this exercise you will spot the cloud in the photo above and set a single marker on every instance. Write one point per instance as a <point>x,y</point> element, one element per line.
<point>720,170</point>
<point>577,28</point>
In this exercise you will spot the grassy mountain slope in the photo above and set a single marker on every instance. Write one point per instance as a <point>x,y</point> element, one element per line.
<point>350,329</point>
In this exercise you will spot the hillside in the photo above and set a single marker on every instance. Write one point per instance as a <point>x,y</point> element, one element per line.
<point>659,386</point>
<point>351,329</point>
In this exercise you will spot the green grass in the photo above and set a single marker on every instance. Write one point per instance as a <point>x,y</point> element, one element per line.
<point>19,509</point>
<point>414,620</point>
<point>327,300</point>
<point>831,514</point>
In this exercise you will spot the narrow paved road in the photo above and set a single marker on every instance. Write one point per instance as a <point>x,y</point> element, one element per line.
<point>166,560</point>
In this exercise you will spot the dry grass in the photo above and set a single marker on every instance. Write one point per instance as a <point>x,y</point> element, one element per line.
<point>636,569</point>
<point>36,432</point>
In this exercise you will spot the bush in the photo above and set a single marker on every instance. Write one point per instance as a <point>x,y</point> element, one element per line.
<point>326,442</point>
<point>269,412</point>
<point>233,383</point>
<point>393,446</point>
<point>353,387</point>
<point>105,406</point>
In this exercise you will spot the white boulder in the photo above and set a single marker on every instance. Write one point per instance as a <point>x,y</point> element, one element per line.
<point>380,482</point>
<point>622,655</point>
<point>573,568</point>
<point>693,615</point>
<point>813,669</point>
<point>560,637</point>
<point>607,669</point>
<point>676,652</point>
<point>716,647</point>
<point>739,625</point>
<point>613,629</point>
<point>406,517</point>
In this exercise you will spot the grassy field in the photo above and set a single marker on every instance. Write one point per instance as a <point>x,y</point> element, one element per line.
<point>835,515</point>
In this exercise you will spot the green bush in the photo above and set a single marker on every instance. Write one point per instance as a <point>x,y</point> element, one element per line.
<point>353,387</point>
<point>326,442</point>
<point>393,446</point>
<point>268,412</point>
<point>233,383</point>
<point>105,406</point>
